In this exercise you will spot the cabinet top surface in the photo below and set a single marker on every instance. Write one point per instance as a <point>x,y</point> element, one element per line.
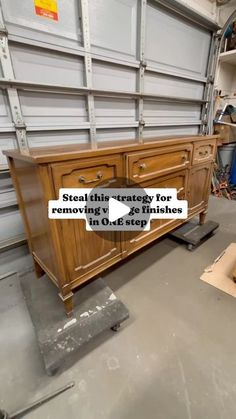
<point>75,151</point>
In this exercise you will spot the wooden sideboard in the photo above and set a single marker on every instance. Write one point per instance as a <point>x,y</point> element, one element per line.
<point>63,249</point>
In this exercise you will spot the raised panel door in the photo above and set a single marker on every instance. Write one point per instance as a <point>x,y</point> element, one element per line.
<point>130,240</point>
<point>199,185</point>
<point>86,251</point>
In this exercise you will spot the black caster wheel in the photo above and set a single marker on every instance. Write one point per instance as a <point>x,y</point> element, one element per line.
<point>51,372</point>
<point>116,327</point>
<point>190,247</point>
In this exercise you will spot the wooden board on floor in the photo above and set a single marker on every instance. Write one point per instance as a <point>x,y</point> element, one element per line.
<point>220,273</point>
<point>234,272</point>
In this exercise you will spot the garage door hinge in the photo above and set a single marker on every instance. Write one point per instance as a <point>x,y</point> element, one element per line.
<point>20,125</point>
<point>217,35</point>
<point>143,64</point>
<point>3,31</point>
<point>210,79</point>
<point>142,122</point>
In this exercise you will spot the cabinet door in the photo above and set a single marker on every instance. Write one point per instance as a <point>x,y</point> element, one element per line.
<point>130,240</point>
<point>199,187</point>
<point>86,252</point>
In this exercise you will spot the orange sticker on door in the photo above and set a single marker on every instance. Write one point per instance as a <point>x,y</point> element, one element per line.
<point>46,8</point>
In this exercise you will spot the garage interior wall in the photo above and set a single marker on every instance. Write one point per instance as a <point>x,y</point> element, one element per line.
<point>206,7</point>
<point>225,11</point>
<point>104,70</point>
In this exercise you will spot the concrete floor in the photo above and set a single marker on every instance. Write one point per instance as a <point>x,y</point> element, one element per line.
<point>173,359</point>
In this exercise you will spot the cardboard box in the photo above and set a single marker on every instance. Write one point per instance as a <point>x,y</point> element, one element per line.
<point>226,131</point>
<point>222,272</point>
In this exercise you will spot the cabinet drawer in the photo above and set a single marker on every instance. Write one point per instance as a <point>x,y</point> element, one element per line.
<point>204,151</point>
<point>88,173</point>
<point>130,240</point>
<point>143,166</point>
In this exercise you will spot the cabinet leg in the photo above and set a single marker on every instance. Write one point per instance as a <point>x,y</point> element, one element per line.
<point>38,270</point>
<point>202,217</point>
<point>68,303</point>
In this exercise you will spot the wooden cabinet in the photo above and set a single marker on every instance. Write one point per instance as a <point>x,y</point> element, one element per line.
<point>63,249</point>
<point>199,186</point>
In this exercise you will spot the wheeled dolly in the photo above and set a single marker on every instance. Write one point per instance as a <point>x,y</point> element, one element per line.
<point>193,234</point>
<point>96,309</point>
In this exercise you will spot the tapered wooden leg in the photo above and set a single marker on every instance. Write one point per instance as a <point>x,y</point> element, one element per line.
<point>202,217</point>
<point>38,270</point>
<point>68,303</point>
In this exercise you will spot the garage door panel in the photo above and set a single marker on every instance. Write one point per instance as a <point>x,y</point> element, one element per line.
<point>51,138</point>
<point>11,219</point>
<point>174,44</point>
<point>166,113</point>
<point>114,111</point>
<point>54,110</point>
<point>120,134</point>
<point>170,86</point>
<point>7,142</point>
<point>170,131</point>
<point>113,26</point>
<point>5,114</point>
<point>107,76</point>
<point>22,20</point>
<point>42,66</point>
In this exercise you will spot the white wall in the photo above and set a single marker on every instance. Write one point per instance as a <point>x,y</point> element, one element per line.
<point>211,10</point>
<point>206,7</point>
<point>225,11</point>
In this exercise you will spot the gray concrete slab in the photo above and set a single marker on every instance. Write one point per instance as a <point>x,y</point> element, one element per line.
<point>96,309</point>
<point>173,359</point>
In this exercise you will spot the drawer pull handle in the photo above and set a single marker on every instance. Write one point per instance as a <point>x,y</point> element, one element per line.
<point>184,158</point>
<point>99,176</point>
<point>142,166</point>
<point>203,153</point>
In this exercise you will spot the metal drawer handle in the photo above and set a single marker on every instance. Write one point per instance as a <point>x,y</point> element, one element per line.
<point>142,166</point>
<point>180,190</point>
<point>99,176</point>
<point>203,153</point>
